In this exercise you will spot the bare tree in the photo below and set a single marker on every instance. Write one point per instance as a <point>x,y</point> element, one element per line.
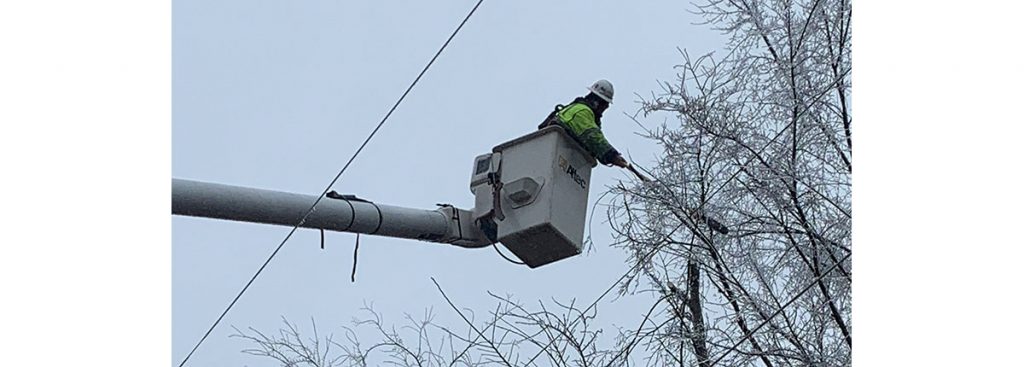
<point>290,348</point>
<point>750,208</point>
<point>510,335</point>
<point>743,234</point>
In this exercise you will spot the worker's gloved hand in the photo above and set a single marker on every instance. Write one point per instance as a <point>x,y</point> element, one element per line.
<point>620,161</point>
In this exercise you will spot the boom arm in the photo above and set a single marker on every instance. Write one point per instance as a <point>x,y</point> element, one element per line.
<point>530,194</point>
<point>445,225</point>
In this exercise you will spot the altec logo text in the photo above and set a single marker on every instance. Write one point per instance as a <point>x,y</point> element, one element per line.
<point>571,171</point>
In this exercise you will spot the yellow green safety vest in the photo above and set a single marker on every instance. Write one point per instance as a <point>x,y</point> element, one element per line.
<point>578,119</point>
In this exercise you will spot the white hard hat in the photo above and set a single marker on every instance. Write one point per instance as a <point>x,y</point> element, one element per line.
<point>603,88</point>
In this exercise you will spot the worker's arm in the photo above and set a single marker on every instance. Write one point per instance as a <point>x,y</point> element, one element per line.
<point>599,146</point>
<point>592,138</point>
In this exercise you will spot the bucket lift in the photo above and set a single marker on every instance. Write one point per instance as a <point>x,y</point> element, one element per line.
<point>543,179</point>
<point>530,195</point>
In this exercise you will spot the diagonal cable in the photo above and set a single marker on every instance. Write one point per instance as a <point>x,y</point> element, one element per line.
<point>312,208</point>
<point>777,312</point>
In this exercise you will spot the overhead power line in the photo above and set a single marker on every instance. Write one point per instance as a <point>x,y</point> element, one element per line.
<point>781,308</point>
<point>333,181</point>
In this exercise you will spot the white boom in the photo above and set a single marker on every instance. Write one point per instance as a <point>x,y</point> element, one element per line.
<point>446,224</point>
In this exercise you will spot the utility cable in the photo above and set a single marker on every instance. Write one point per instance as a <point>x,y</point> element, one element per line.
<point>355,259</point>
<point>312,208</point>
<point>777,312</point>
<point>495,244</point>
<point>639,262</point>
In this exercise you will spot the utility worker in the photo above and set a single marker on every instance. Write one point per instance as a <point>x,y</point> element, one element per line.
<point>582,120</point>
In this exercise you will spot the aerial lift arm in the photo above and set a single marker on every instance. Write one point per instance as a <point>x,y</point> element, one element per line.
<point>210,200</point>
<point>530,194</point>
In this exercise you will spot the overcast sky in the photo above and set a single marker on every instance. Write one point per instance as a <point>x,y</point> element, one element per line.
<point>278,95</point>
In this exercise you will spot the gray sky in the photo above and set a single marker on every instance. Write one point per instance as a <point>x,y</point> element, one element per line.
<point>277,98</point>
<point>278,95</point>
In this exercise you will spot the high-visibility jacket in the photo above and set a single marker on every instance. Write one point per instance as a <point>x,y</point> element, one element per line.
<point>578,120</point>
